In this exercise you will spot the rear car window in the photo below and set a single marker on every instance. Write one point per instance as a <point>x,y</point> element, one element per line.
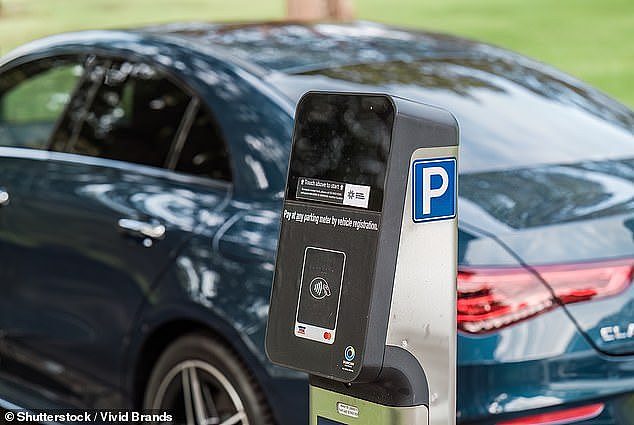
<point>204,152</point>
<point>129,112</point>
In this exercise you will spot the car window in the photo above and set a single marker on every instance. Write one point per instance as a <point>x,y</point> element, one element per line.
<point>127,111</point>
<point>32,97</point>
<point>204,152</point>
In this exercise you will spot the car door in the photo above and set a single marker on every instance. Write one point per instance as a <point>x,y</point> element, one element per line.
<point>111,212</point>
<point>33,96</point>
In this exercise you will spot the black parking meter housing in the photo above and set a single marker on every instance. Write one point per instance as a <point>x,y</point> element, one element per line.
<point>348,238</point>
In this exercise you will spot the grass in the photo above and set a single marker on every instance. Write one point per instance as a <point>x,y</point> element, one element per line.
<point>591,39</point>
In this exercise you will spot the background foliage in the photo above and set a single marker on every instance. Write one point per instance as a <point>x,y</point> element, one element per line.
<point>591,39</point>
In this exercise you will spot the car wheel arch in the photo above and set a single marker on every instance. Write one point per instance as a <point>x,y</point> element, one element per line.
<point>155,339</point>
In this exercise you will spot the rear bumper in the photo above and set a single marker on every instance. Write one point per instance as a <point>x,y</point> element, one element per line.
<point>540,365</point>
<point>618,410</point>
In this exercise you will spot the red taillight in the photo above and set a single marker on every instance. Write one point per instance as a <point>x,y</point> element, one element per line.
<point>560,417</point>
<point>491,298</point>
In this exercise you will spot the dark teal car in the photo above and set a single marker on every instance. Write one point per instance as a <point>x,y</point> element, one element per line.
<point>141,175</point>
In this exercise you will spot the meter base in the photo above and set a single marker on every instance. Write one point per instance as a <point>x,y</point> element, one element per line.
<point>330,408</point>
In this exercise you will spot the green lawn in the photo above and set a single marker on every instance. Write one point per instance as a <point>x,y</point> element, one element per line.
<point>591,39</point>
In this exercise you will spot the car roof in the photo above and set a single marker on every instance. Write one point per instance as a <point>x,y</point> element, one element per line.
<point>292,47</point>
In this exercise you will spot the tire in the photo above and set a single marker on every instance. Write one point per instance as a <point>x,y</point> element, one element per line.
<point>215,379</point>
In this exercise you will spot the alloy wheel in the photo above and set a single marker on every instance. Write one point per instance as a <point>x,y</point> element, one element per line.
<point>197,393</point>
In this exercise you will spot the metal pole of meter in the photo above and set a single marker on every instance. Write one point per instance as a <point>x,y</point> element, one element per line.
<point>364,294</point>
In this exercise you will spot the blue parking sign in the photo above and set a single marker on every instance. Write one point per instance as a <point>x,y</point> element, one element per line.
<point>434,189</point>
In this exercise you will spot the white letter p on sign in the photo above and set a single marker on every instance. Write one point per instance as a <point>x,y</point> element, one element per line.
<point>428,192</point>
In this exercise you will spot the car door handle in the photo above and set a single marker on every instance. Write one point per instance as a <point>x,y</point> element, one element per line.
<point>4,198</point>
<point>141,229</point>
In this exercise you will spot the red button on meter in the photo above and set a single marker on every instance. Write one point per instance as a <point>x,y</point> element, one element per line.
<point>327,335</point>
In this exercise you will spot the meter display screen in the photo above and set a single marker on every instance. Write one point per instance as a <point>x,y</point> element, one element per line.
<point>320,294</point>
<point>345,140</point>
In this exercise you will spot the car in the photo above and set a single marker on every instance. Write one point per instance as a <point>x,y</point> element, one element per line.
<point>142,174</point>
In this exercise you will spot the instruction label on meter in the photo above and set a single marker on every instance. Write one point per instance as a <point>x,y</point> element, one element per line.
<point>338,193</point>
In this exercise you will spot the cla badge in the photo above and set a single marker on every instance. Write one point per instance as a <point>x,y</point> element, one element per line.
<point>617,333</point>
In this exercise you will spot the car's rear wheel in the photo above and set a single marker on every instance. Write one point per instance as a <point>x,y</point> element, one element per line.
<point>199,380</point>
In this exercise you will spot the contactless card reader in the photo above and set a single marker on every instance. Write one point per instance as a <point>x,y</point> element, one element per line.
<point>364,291</point>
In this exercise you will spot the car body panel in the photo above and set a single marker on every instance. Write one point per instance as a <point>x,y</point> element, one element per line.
<point>585,215</point>
<point>76,279</point>
<point>224,277</point>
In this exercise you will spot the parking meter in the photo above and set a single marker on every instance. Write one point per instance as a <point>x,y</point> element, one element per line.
<point>364,292</point>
